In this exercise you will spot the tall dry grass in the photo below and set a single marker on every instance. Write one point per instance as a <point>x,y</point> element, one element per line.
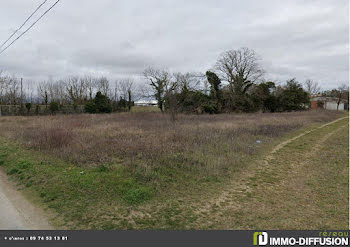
<point>147,140</point>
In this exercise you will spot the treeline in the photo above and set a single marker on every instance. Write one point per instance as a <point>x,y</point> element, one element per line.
<point>235,84</point>
<point>72,91</point>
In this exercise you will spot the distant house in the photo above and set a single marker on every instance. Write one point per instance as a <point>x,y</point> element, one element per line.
<point>145,103</point>
<point>328,103</point>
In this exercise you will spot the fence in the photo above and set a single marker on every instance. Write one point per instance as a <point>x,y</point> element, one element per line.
<point>15,110</point>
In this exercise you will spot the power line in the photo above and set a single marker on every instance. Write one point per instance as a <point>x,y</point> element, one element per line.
<point>29,27</point>
<point>25,22</point>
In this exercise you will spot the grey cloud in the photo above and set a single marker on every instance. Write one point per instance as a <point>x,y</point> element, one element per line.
<point>295,38</point>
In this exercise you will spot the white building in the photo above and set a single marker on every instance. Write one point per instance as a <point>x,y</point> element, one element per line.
<point>328,103</point>
<point>145,103</point>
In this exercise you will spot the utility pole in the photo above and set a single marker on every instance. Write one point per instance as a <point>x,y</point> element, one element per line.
<point>21,107</point>
<point>21,91</point>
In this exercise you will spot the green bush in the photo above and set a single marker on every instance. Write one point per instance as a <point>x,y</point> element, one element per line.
<point>103,103</point>
<point>293,97</point>
<point>53,107</point>
<point>122,103</point>
<point>262,97</point>
<point>28,106</point>
<point>100,104</point>
<point>90,107</point>
<point>195,102</point>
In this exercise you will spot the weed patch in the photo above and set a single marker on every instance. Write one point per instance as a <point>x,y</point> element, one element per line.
<point>140,170</point>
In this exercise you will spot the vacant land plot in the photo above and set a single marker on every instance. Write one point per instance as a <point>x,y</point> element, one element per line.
<point>143,171</point>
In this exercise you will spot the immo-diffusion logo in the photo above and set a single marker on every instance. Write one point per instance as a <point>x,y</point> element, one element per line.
<point>260,238</point>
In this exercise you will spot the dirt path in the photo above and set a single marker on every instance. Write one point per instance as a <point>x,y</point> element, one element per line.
<point>282,144</point>
<point>243,195</point>
<point>16,213</point>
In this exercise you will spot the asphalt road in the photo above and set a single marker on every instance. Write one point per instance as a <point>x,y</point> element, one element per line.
<point>16,212</point>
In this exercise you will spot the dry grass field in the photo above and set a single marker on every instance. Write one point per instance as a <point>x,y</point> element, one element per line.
<point>140,170</point>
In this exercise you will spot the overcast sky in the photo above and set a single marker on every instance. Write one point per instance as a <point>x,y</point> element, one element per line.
<point>302,39</point>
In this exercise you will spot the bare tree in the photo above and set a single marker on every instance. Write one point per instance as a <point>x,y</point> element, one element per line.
<point>125,85</point>
<point>43,92</point>
<point>206,87</point>
<point>61,92</point>
<point>160,81</point>
<point>57,91</point>
<point>29,90</point>
<point>103,86</point>
<point>126,89</point>
<point>91,84</point>
<point>76,89</point>
<point>143,91</point>
<point>187,81</point>
<point>312,87</point>
<point>342,94</point>
<point>3,87</point>
<point>13,90</point>
<point>240,69</point>
<point>52,91</point>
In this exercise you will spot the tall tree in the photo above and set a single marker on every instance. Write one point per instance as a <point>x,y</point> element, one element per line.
<point>161,84</point>
<point>263,97</point>
<point>91,85</point>
<point>312,87</point>
<point>103,86</point>
<point>240,68</point>
<point>215,92</point>
<point>76,89</point>
<point>3,87</point>
<point>124,86</point>
<point>187,81</point>
<point>43,91</point>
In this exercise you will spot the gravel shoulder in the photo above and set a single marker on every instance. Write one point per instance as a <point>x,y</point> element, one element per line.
<point>16,212</point>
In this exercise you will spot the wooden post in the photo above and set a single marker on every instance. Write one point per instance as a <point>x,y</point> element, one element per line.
<point>21,90</point>
<point>21,106</point>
